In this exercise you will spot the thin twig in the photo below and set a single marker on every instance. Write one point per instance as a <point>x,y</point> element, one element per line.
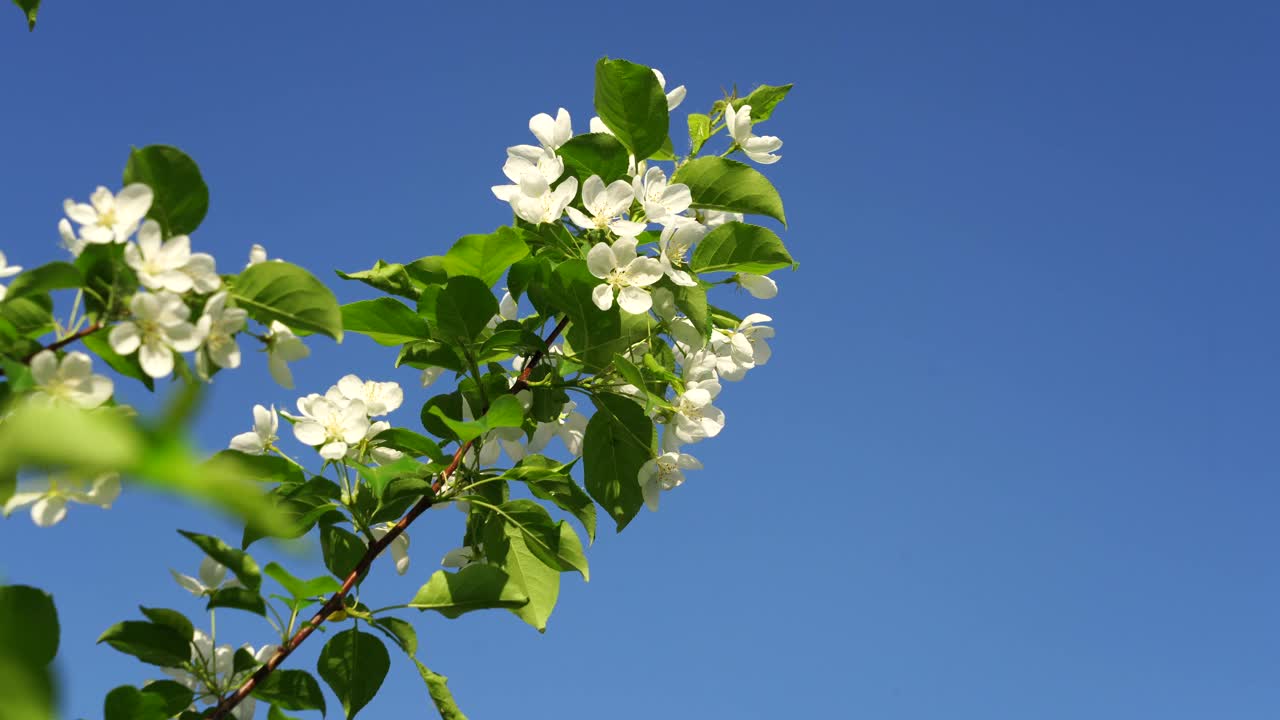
<point>338,600</point>
<point>58,344</point>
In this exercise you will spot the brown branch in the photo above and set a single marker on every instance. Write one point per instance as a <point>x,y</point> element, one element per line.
<point>58,344</point>
<point>338,600</point>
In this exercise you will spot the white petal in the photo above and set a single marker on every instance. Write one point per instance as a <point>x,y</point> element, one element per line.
<point>602,296</point>
<point>309,432</point>
<point>760,286</point>
<point>634,300</point>
<point>248,442</point>
<point>156,359</point>
<point>124,338</point>
<point>600,261</point>
<point>49,511</point>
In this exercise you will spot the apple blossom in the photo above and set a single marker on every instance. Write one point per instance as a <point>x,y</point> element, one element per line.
<point>333,427</point>
<point>70,380</point>
<point>570,427</point>
<point>263,437</point>
<point>675,242</point>
<point>743,347</point>
<point>662,200</point>
<point>695,418</point>
<point>159,263</point>
<point>379,398</point>
<point>538,203</point>
<point>218,327</point>
<point>369,449</point>
<point>211,673</point>
<point>49,505</point>
<point>257,254</point>
<point>758,148</point>
<point>73,244</point>
<point>664,473</point>
<point>7,270</point>
<point>675,97</point>
<point>399,546</point>
<point>110,218</point>
<point>283,347</point>
<point>552,133</point>
<point>625,272</point>
<point>158,327</point>
<point>203,271</point>
<point>761,287</point>
<point>526,159</point>
<point>605,206</point>
<point>209,580</point>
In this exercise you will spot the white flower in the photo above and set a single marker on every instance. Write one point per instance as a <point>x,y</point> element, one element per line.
<point>211,575</point>
<point>263,436</point>
<point>662,201</point>
<point>570,427</point>
<point>73,244</point>
<point>49,505</point>
<point>158,327</point>
<point>430,375</point>
<point>211,674</point>
<point>674,243</point>
<point>110,218</point>
<point>399,546</point>
<point>538,203</point>
<point>7,270</point>
<point>716,218</point>
<point>460,557</point>
<point>379,398</point>
<point>758,148</point>
<point>159,263</point>
<point>508,309</point>
<point>218,327</point>
<point>596,125</point>
<point>742,348</point>
<point>370,449</point>
<point>203,271</point>
<point>675,97</point>
<point>761,287</point>
<point>695,417</point>
<point>664,473</point>
<point>70,380</point>
<point>605,206</point>
<point>525,159</point>
<point>622,270</point>
<point>331,426</point>
<point>257,254</point>
<point>283,347</point>
<point>551,133</point>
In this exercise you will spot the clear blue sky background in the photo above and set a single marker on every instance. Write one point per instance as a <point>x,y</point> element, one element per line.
<point>1016,453</point>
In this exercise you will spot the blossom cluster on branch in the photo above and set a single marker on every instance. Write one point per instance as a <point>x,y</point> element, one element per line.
<point>576,357</point>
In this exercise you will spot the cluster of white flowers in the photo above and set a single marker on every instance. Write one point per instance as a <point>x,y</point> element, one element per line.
<point>211,673</point>
<point>174,278</point>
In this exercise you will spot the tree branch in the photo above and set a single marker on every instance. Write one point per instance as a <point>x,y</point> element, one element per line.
<point>338,600</point>
<point>58,344</point>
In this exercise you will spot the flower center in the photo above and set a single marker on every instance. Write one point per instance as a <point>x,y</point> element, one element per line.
<point>619,278</point>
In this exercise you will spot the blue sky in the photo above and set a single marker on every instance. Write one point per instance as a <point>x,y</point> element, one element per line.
<point>1015,453</point>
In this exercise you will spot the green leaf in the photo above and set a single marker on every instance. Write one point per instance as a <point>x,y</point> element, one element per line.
<point>692,301</point>
<point>594,334</point>
<point>388,277</point>
<point>292,690</point>
<point>565,493</point>
<point>459,311</point>
<point>719,184</point>
<point>128,703</point>
<point>274,713</point>
<point>30,8</point>
<point>540,582</point>
<point>427,270</point>
<point>474,587</point>
<point>302,589</point>
<point>427,354</point>
<point>281,291</point>
<point>594,154</point>
<point>485,257</point>
<point>386,320</point>
<point>238,598</point>
<point>505,412</point>
<point>615,447</point>
<point>379,477</point>
<point>151,643</point>
<point>630,101</point>
<point>411,443</point>
<point>763,100</point>
<point>29,628</point>
<point>28,317</point>
<point>174,696</point>
<point>699,132</point>
<point>354,665</point>
<point>242,661</point>
<point>570,553</point>
<point>262,468</point>
<point>400,631</point>
<point>181,197</point>
<point>536,526</point>
<point>438,688</point>
<point>53,276</point>
<point>170,618</point>
<point>527,272</point>
<point>342,550</point>
<point>237,561</point>
<point>739,247</point>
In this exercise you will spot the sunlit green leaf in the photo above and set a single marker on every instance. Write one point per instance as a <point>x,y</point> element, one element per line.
<point>475,587</point>
<point>739,247</point>
<point>630,102</point>
<point>721,184</point>
<point>354,665</point>
<point>386,320</point>
<point>285,292</point>
<point>181,196</point>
